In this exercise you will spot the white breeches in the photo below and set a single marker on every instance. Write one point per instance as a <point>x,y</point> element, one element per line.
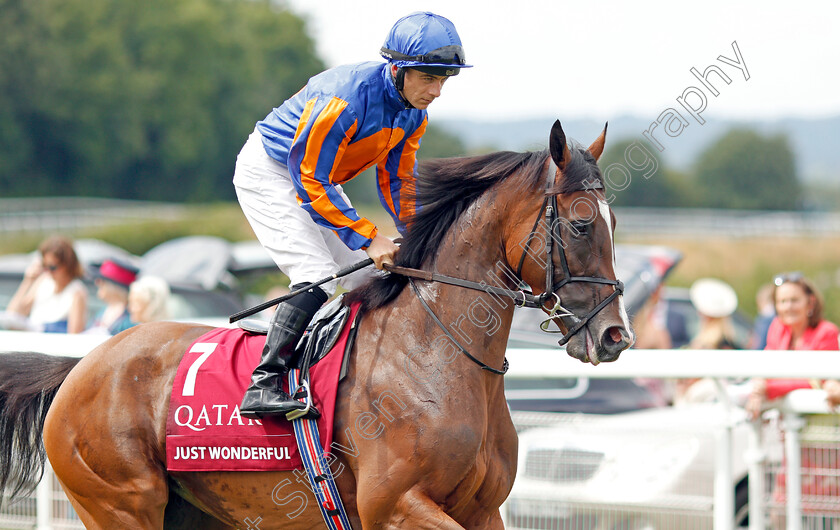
<point>303,250</point>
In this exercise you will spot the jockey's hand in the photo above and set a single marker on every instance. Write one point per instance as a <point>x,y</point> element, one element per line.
<point>832,393</point>
<point>382,250</point>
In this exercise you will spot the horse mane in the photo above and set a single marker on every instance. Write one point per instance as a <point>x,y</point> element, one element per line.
<point>446,188</point>
<point>581,172</point>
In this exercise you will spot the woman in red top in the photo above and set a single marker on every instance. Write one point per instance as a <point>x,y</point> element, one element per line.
<point>798,326</point>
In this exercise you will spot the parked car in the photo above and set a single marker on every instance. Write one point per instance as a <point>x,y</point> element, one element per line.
<point>646,470</point>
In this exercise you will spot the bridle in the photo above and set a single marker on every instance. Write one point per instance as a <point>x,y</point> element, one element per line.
<point>550,209</point>
<point>523,297</point>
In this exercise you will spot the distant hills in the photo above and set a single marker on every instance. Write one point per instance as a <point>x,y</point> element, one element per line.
<point>816,142</point>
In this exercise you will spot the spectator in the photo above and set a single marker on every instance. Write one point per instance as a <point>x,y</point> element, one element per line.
<point>798,325</point>
<point>52,296</point>
<point>148,299</point>
<point>113,279</point>
<point>715,302</point>
<point>766,313</point>
<point>832,393</point>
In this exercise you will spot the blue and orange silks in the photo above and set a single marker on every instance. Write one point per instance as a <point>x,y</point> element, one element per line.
<point>342,122</point>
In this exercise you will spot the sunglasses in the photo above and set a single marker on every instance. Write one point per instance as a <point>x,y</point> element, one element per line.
<point>787,277</point>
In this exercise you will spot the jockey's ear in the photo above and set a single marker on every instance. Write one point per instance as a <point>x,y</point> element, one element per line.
<point>597,146</point>
<point>557,146</point>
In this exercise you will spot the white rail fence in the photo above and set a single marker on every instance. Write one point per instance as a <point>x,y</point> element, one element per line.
<point>49,509</point>
<point>71,214</point>
<point>700,222</point>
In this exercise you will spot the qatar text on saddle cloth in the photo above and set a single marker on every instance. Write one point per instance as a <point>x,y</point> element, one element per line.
<point>204,429</point>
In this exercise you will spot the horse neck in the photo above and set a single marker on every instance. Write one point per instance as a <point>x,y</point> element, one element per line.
<point>474,250</point>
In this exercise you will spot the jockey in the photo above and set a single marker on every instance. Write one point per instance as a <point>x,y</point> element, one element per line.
<point>289,172</point>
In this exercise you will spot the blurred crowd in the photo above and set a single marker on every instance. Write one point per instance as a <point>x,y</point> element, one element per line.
<point>790,317</point>
<point>53,298</point>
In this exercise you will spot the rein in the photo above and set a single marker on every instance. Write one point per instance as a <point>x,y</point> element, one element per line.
<point>520,297</point>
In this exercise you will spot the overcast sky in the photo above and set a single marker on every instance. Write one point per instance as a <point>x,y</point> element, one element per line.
<point>609,58</point>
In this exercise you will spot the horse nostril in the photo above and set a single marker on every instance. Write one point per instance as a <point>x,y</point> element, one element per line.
<point>615,334</point>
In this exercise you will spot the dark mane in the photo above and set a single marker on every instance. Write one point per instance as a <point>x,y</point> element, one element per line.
<point>446,188</point>
<point>580,172</point>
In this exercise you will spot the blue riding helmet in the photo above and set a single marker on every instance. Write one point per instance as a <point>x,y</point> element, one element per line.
<point>426,42</point>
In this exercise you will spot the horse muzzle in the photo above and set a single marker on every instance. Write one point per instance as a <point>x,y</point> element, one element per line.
<point>602,347</point>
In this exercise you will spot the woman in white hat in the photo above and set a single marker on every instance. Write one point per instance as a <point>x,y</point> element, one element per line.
<point>715,302</point>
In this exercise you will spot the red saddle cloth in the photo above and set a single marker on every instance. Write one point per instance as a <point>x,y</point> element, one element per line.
<point>204,430</point>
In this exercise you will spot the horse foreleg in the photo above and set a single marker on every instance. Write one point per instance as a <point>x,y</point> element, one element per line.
<point>413,509</point>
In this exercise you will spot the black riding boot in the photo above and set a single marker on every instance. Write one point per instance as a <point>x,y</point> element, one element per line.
<point>265,396</point>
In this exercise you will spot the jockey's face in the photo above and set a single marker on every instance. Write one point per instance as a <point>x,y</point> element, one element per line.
<point>420,88</point>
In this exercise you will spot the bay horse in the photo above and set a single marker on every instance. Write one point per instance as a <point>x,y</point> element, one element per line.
<point>424,434</point>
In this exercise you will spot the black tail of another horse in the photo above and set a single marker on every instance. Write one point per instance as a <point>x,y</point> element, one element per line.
<point>28,384</point>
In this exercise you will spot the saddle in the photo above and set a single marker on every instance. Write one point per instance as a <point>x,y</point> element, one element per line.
<point>320,335</point>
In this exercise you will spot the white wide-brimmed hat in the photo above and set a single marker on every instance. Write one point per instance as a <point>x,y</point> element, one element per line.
<point>713,298</point>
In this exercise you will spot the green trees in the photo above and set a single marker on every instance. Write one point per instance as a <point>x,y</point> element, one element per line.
<point>741,170</point>
<point>636,176</point>
<point>146,99</point>
<point>152,99</point>
<point>746,170</point>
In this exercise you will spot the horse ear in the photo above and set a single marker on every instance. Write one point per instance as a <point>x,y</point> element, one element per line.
<point>557,145</point>
<point>597,146</point>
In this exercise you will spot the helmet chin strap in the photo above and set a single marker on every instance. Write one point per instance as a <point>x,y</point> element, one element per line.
<point>399,82</point>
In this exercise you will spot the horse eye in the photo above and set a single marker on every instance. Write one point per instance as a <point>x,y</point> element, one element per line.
<point>579,227</point>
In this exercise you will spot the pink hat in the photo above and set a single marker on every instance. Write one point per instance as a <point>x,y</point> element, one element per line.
<point>117,272</point>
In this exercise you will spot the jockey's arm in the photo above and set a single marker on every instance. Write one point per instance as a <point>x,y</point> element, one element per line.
<point>319,144</point>
<point>395,179</point>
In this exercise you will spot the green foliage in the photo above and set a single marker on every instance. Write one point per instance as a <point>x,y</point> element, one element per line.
<point>146,99</point>
<point>744,169</point>
<point>439,143</point>
<point>635,174</point>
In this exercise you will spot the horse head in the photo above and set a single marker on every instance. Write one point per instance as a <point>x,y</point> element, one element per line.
<point>575,225</point>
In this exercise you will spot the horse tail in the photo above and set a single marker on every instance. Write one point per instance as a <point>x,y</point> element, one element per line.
<point>28,384</point>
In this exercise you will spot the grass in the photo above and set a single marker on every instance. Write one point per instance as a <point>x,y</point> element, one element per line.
<point>748,263</point>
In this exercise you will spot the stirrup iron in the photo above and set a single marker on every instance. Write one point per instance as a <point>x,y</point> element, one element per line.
<point>295,414</point>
